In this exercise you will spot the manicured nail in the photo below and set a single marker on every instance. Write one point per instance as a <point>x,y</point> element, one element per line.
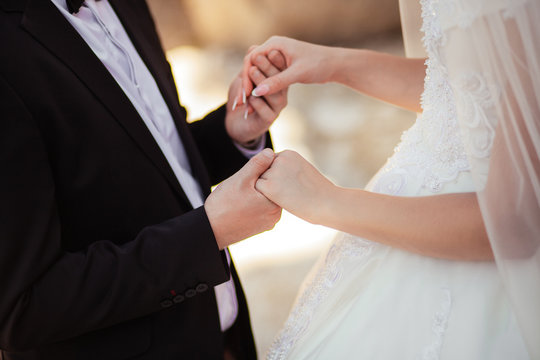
<point>234,104</point>
<point>260,90</point>
<point>267,152</point>
<point>245,114</point>
<point>244,96</point>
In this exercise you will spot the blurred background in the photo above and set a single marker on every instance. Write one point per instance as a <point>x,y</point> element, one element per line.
<point>346,135</point>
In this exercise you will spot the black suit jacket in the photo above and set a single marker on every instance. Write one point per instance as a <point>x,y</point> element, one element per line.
<point>101,254</point>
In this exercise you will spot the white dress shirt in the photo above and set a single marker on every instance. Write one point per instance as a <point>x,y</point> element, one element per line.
<point>99,26</point>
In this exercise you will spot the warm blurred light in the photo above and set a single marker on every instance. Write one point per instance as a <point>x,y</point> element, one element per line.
<point>291,239</point>
<point>198,93</point>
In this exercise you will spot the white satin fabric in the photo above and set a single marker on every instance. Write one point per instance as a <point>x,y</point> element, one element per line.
<point>364,300</point>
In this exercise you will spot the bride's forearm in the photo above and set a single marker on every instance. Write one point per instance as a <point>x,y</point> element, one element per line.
<point>446,226</point>
<point>394,79</point>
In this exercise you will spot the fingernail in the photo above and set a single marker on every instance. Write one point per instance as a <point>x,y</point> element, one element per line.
<point>244,96</point>
<point>267,152</point>
<point>234,104</point>
<point>260,90</point>
<point>245,114</point>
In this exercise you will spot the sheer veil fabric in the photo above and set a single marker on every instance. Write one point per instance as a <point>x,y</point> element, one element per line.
<point>411,24</point>
<point>492,51</point>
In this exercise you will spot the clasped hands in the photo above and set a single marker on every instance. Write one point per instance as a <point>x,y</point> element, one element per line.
<point>251,201</point>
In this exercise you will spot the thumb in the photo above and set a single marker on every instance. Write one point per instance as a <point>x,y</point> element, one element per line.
<point>257,165</point>
<point>274,84</point>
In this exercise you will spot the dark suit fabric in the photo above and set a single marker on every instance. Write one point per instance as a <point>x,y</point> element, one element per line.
<point>101,254</point>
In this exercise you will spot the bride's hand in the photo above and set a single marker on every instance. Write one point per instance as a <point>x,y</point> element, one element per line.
<point>247,122</point>
<point>294,184</point>
<point>305,63</point>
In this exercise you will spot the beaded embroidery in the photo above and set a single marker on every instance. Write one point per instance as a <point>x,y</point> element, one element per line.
<point>440,322</point>
<point>431,151</point>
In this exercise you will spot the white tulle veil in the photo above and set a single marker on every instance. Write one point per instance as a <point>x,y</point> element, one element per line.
<point>492,52</point>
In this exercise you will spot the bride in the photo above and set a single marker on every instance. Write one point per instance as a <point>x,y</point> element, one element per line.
<point>439,256</point>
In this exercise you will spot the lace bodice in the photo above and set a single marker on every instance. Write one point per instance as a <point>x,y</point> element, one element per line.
<point>430,153</point>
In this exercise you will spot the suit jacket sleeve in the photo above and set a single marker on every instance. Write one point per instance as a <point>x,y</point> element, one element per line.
<point>220,155</point>
<point>49,293</point>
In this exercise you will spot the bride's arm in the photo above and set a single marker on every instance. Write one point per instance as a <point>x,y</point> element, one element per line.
<point>394,79</point>
<point>446,226</point>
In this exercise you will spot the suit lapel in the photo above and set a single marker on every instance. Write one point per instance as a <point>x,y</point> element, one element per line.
<point>49,27</point>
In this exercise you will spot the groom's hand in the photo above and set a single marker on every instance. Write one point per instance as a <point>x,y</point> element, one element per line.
<point>297,186</point>
<point>236,210</point>
<point>248,119</point>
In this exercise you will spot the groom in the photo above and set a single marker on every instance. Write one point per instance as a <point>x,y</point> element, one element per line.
<point>107,247</point>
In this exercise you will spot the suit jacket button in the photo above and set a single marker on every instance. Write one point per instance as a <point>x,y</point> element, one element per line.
<point>166,303</point>
<point>201,288</point>
<point>178,299</point>
<point>190,293</point>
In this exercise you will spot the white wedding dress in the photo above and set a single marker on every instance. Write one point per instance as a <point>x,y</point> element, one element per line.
<point>364,300</point>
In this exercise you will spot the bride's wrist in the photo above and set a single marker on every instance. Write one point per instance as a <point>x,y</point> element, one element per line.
<point>326,209</point>
<point>328,64</point>
<point>351,67</point>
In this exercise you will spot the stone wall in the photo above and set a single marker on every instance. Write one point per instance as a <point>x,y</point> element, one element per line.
<point>238,24</point>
